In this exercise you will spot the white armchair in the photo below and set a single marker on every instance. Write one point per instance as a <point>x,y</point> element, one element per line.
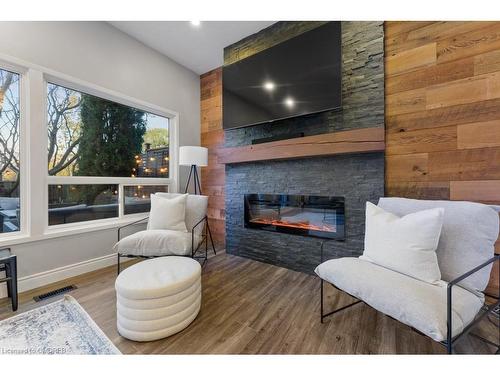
<point>444,311</point>
<point>151,243</point>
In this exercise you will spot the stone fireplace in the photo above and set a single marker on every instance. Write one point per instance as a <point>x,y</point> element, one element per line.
<point>356,177</point>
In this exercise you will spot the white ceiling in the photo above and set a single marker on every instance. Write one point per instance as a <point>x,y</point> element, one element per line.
<point>198,48</point>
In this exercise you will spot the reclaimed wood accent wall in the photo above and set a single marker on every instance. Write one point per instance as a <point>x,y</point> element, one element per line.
<point>442,85</point>
<point>212,137</point>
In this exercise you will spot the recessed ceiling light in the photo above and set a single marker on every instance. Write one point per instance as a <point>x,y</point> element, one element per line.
<point>269,86</point>
<point>195,23</point>
<point>289,102</point>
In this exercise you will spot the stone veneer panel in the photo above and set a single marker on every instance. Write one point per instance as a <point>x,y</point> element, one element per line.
<point>359,178</point>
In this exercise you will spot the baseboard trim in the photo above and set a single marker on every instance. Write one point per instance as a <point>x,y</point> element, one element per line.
<point>37,280</point>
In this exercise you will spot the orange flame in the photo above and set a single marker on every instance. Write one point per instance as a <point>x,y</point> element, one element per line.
<point>298,225</point>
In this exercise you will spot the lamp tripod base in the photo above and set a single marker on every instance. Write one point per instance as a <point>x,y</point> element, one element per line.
<point>193,172</point>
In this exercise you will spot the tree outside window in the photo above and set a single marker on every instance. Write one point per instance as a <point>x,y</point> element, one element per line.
<point>9,151</point>
<point>95,137</point>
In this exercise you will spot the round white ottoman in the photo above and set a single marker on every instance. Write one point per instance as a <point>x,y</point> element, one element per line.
<point>157,297</point>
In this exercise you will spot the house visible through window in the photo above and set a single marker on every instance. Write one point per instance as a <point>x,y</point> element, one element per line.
<point>137,198</point>
<point>10,115</point>
<point>91,137</point>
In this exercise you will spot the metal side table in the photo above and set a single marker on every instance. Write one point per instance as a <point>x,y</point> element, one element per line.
<point>8,263</point>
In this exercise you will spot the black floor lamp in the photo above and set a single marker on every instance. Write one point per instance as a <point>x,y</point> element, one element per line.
<point>195,156</point>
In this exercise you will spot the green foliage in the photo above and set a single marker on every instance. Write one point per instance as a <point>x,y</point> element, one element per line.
<point>111,135</point>
<point>157,137</point>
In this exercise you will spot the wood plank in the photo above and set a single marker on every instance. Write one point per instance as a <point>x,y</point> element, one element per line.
<point>214,190</point>
<point>493,85</point>
<point>405,102</point>
<point>418,190</point>
<point>424,140</point>
<point>216,213</point>
<point>342,142</point>
<point>492,287</point>
<point>411,59</point>
<point>405,168</point>
<point>399,27</point>
<point>479,135</point>
<point>487,62</point>
<point>459,114</point>
<point>212,138</point>
<point>464,91</point>
<point>430,75</point>
<point>460,165</point>
<point>433,32</point>
<point>469,44</point>
<point>211,102</point>
<point>486,191</point>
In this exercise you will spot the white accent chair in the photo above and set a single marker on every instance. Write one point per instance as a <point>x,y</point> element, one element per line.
<point>162,242</point>
<point>444,311</point>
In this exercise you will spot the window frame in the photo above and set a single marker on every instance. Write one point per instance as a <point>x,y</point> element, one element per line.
<point>24,201</point>
<point>97,91</point>
<point>33,154</point>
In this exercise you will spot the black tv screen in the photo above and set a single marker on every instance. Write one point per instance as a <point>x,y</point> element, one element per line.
<point>300,76</point>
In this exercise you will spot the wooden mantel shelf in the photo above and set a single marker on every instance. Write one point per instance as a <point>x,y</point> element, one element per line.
<point>342,142</point>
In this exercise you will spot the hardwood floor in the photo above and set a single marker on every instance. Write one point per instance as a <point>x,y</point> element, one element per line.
<point>256,308</point>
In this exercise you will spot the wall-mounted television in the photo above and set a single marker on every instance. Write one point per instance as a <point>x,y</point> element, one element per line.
<point>299,76</point>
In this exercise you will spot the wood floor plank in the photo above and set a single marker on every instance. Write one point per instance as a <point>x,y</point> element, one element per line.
<point>251,307</point>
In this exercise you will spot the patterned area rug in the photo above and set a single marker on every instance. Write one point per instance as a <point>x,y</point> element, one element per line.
<point>62,327</point>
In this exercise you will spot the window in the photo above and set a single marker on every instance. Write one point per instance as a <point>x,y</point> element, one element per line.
<point>137,198</point>
<point>91,136</point>
<point>10,115</point>
<point>100,153</point>
<point>75,203</point>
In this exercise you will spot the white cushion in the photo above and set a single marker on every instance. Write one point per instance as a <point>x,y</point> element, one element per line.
<point>157,242</point>
<point>158,277</point>
<point>159,302</point>
<point>168,213</point>
<point>467,238</point>
<point>416,303</point>
<point>196,209</point>
<point>141,314</point>
<point>157,329</point>
<point>404,244</point>
<point>161,322</point>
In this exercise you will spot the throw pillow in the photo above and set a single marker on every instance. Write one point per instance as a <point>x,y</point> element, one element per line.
<point>168,213</point>
<point>404,244</point>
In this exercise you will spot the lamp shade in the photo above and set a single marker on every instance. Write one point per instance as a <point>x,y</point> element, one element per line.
<point>193,155</point>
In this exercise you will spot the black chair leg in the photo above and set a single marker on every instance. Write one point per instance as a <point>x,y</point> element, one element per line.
<point>211,239</point>
<point>118,264</point>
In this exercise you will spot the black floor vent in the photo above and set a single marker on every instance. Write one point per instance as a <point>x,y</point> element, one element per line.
<point>54,293</point>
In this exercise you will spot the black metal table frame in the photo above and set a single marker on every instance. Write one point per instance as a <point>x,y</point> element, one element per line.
<point>9,266</point>
<point>450,340</point>
<point>204,239</point>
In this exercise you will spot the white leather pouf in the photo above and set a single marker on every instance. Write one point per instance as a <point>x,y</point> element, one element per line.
<point>157,297</point>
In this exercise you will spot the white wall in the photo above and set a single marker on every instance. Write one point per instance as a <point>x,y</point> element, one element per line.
<point>100,54</point>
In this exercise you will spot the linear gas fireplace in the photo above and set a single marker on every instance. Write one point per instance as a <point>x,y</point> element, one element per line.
<point>305,215</point>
